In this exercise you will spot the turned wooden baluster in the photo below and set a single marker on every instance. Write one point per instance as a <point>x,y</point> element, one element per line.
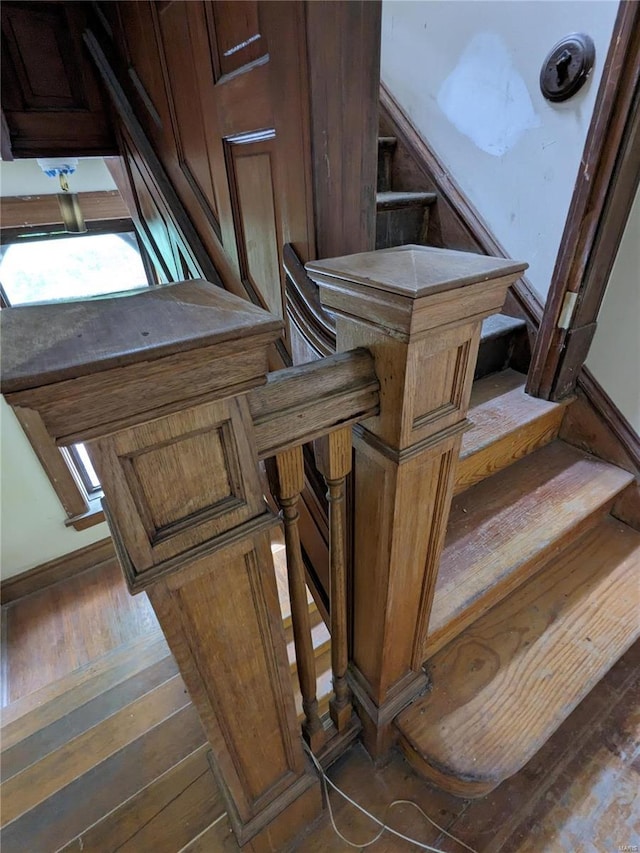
<point>333,458</point>
<point>286,477</point>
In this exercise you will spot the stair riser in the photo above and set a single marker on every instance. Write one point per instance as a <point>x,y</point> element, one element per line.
<point>514,579</point>
<point>401,226</point>
<point>496,354</point>
<point>478,466</point>
<point>385,158</point>
<point>466,789</point>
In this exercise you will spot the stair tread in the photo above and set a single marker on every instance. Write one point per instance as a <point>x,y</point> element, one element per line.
<point>498,325</point>
<point>503,527</point>
<point>499,406</point>
<point>507,425</point>
<point>503,686</point>
<point>391,199</point>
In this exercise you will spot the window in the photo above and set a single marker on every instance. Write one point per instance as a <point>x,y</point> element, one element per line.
<point>50,266</point>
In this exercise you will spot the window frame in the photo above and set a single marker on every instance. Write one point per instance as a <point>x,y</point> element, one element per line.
<point>83,507</point>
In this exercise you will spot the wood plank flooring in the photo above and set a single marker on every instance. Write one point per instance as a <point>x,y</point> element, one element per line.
<point>65,626</point>
<point>579,793</point>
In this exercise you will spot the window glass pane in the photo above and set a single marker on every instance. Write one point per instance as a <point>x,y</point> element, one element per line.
<point>70,267</point>
<point>89,470</point>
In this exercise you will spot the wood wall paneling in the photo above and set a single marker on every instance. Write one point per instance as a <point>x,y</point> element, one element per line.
<point>344,109</point>
<point>184,39</point>
<point>51,100</point>
<point>251,174</point>
<point>239,40</point>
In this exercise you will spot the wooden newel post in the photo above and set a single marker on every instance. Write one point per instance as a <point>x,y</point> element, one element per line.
<point>155,383</point>
<point>419,311</point>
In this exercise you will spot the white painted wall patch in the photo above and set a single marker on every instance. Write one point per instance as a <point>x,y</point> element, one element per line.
<point>486,98</point>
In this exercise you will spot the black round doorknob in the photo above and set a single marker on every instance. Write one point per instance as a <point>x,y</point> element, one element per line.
<point>567,67</point>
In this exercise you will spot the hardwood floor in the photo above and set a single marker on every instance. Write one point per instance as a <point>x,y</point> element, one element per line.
<point>579,793</point>
<point>55,631</point>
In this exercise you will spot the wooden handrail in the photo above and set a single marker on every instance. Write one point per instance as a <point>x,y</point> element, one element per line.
<point>304,308</point>
<point>300,404</point>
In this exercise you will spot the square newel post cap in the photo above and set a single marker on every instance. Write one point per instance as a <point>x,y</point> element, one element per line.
<point>93,366</point>
<point>410,289</point>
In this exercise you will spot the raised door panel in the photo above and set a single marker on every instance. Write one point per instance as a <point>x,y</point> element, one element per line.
<point>239,38</point>
<point>185,41</point>
<point>253,185</point>
<point>137,40</point>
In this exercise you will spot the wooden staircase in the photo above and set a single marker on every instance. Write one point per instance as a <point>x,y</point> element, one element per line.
<point>537,594</point>
<point>402,218</point>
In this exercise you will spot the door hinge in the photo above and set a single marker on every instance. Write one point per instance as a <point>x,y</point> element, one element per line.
<point>568,309</point>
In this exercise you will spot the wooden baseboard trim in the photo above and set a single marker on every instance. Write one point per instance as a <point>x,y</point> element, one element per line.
<point>611,415</point>
<point>459,206</point>
<point>39,578</point>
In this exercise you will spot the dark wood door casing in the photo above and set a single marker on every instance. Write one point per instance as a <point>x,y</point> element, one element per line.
<point>605,188</point>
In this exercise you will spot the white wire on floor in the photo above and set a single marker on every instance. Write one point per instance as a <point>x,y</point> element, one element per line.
<point>383,826</point>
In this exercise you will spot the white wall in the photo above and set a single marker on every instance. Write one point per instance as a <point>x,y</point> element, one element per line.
<point>466,72</point>
<point>32,529</point>
<point>32,519</point>
<point>614,357</point>
<point>25,177</point>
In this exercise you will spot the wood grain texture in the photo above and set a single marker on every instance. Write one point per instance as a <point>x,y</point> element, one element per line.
<point>507,425</point>
<point>315,327</point>
<point>87,337</point>
<point>70,761</point>
<point>594,423</point>
<point>106,785</point>
<point>413,271</point>
<point>419,311</point>
<point>333,457</point>
<point>504,685</point>
<point>210,450</point>
<point>602,197</point>
<point>78,721</point>
<point>116,800</point>
<point>505,528</point>
<point>342,39</point>
<point>53,108</point>
<point>53,571</point>
<point>143,818</point>
<point>286,475</point>
<point>24,211</point>
<point>299,404</point>
<point>43,707</point>
<point>43,625</point>
<point>256,743</point>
